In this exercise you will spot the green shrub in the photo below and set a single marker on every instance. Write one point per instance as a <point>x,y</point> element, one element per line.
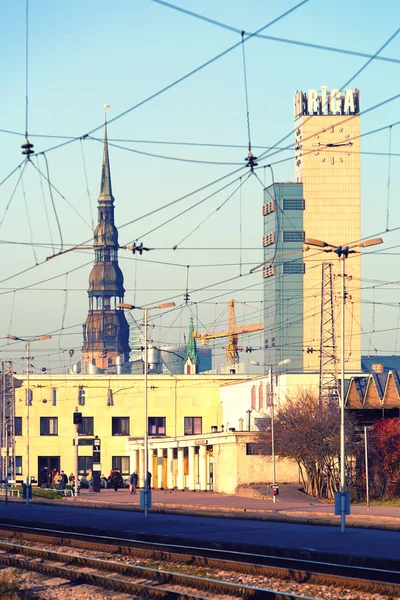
<point>45,493</point>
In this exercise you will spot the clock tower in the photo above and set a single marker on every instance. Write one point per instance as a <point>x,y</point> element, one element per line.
<point>106,330</point>
<point>327,164</point>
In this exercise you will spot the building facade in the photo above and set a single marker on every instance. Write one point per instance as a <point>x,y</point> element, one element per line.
<point>283,273</point>
<point>113,408</point>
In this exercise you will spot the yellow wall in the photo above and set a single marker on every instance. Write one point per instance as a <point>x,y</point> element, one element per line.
<point>173,397</point>
<point>331,188</point>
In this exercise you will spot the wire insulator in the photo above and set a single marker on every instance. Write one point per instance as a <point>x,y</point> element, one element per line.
<point>250,161</point>
<point>27,148</point>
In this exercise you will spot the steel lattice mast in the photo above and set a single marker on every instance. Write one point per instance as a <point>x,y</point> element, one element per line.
<point>7,416</point>
<point>328,378</point>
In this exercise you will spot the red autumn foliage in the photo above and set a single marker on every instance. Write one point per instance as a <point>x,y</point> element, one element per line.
<point>385,456</point>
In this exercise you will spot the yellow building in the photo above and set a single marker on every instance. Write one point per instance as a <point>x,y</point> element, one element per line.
<point>112,408</point>
<point>327,163</point>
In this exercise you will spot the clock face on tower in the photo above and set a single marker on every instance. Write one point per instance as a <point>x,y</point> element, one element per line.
<point>110,330</point>
<point>332,145</point>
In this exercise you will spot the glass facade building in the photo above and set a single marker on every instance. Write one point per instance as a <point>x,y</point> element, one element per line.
<point>283,275</point>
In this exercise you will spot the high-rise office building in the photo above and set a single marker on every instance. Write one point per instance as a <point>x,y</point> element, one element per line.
<point>322,203</point>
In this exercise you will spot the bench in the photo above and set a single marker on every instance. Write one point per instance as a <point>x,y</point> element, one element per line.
<point>14,492</point>
<point>66,493</point>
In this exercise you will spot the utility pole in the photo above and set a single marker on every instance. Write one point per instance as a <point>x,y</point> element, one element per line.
<point>7,420</point>
<point>328,378</point>
<point>272,405</point>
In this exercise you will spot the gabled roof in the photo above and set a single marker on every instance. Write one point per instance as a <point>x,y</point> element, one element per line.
<point>396,379</point>
<point>380,380</point>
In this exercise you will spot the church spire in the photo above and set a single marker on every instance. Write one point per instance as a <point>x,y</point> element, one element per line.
<point>106,190</point>
<point>106,330</point>
<point>191,351</point>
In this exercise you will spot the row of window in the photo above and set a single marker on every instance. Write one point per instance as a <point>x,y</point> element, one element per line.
<point>85,463</point>
<point>288,204</point>
<point>119,426</point>
<point>289,268</point>
<point>287,236</point>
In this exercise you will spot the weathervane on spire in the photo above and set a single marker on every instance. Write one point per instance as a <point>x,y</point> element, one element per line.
<point>106,107</point>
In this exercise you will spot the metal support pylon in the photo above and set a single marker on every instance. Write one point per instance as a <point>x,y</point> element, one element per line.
<point>7,419</point>
<point>328,377</point>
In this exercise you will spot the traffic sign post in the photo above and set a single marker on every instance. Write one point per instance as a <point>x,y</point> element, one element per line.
<point>96,469</point>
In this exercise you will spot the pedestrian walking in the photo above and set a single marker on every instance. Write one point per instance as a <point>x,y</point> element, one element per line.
<point>148,480</point>
<point>116,479</point>
<point>89,478</point>
<point>133,481</point>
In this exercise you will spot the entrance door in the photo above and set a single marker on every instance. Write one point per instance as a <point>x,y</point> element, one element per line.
<point>51,463</point>
<point>165,472</point>
<point>155,471</point>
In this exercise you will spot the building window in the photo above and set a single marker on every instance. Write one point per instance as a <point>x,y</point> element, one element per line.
<point>268,239</point>
<point>157,425</point>
<point>253,397</point>
<point>54,397</point>
<point>110,399</point>
<point>252,449</point>
<point>293,204</point>
<point>81,396</point>
<point>122,463</point>
<point>266,344</point>
<point>30,397</point>
<point>268,271</point>
<point>260,397</point>
<point>84,464</point>
<point>18,425</point>
<point>87,426</point>
<point>48,425</point>
<point>268,208</point>
<point>193,425</point>
<point>272,342</point>
<point>18,465</point>
<point>294,268</point>
<point>293,236</point>
<point>120,425</point>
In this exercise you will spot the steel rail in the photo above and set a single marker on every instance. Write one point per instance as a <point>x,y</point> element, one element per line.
<point>301,570</point>
<point>162,578</point>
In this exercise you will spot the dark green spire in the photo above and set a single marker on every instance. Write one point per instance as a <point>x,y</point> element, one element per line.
<point>191,350</point>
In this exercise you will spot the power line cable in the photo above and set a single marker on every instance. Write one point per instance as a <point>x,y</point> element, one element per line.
<point>277,39</point>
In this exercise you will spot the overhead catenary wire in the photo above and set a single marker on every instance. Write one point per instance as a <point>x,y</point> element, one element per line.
<point>21,172</point>
<point>28,220</point>
<point>45,206</point>
<point>277,39</point>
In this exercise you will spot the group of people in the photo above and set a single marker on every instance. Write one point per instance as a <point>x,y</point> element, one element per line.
<point>133,482</point>
<point>55,478</point>
<point>114,480</point>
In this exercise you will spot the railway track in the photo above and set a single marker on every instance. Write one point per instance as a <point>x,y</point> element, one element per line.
<point>177,581</point>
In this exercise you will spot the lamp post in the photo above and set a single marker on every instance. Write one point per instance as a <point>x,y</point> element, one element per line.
<point>342,253</point>
<point>146,309</point>
<point>27,357</point>
<point>271,387</point>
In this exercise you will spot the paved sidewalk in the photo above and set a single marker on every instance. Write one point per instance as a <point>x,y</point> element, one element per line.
<point>292,505</point>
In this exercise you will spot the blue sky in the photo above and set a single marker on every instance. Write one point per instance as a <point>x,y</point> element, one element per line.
<point>85,54</point>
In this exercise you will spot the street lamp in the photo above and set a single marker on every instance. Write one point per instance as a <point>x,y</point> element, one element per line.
<point>342,252</point>
<point>146,309</point>
<point>27,357</point>
<point>271,388</point>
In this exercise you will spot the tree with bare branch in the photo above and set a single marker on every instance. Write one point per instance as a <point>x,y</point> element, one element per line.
<point>308,431</point>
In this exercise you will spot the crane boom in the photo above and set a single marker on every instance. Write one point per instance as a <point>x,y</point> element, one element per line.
<point>232,355</point>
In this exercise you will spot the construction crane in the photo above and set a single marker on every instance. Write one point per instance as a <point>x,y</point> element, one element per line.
<point>232,354</point>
